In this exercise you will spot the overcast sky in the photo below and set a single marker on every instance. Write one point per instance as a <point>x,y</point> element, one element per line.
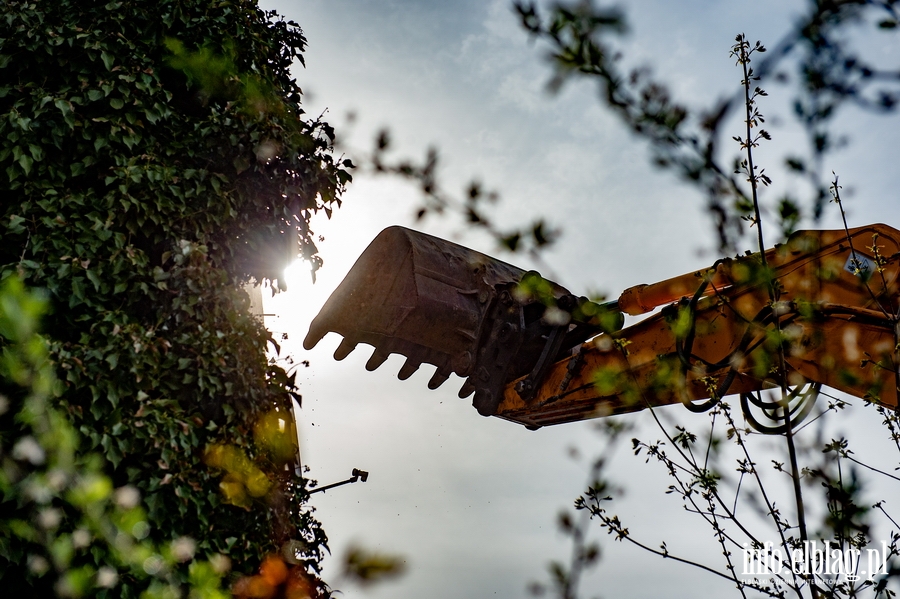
<point>470,501</point>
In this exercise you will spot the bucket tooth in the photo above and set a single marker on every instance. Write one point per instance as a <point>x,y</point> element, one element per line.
<point>466,389</point>
<point>484,402</point>
<point>314,335</point>
<point>409,367</point>
<point>378,358</point>
<point>343,350</point>
<point>438,379</point>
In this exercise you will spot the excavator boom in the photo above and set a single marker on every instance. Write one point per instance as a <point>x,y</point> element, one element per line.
<point>822,308</point>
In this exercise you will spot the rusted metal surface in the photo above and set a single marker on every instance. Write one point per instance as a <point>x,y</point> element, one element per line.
<point>440,303</point>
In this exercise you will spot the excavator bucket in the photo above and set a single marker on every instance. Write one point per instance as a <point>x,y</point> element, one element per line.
<point>466,313</point>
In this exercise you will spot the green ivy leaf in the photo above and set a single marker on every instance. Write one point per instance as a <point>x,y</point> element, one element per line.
<point>25,161</point>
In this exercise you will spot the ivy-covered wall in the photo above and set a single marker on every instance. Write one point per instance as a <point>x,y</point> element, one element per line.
<point>154,156</point>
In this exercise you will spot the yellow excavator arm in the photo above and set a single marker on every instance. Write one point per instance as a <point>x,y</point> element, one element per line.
<point>820,309</point>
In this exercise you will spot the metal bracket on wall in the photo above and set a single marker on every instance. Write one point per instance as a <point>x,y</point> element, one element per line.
<point>355,475</point>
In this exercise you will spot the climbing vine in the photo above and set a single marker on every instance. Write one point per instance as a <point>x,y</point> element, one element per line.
<point>155,157</point>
